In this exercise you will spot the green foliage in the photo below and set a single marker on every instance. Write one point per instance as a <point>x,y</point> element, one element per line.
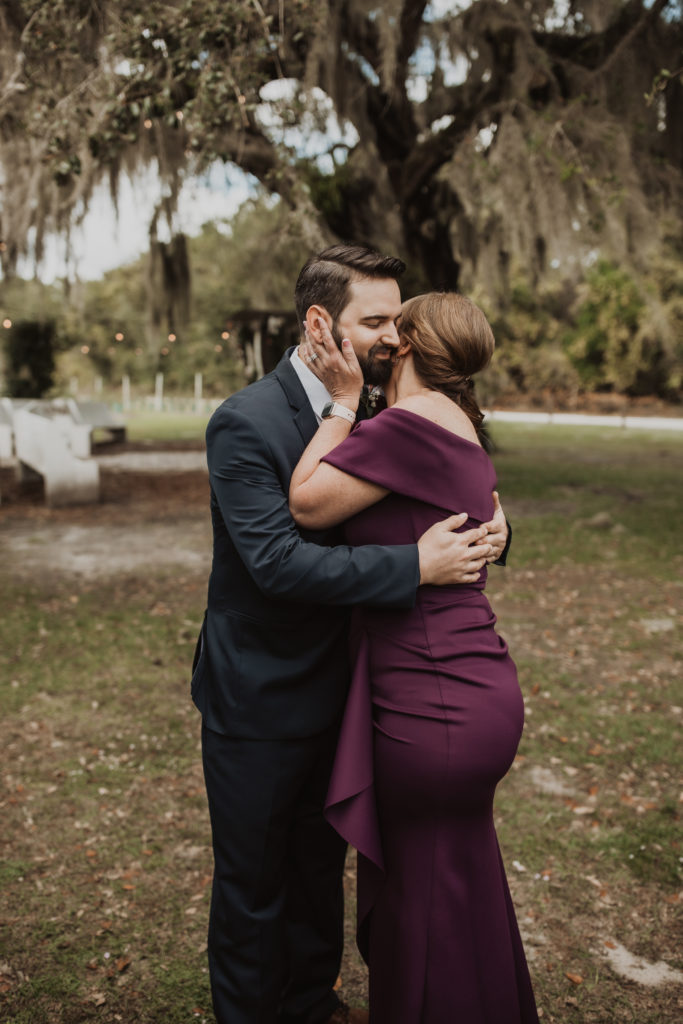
<point>250,262</point>
<point>626,335</point>
<point>331,193</point>
<point>612,332</point>
<point>529,357</point>
<point>30,358</point>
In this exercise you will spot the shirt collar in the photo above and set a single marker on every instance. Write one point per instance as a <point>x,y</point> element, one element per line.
<point>316,392</point>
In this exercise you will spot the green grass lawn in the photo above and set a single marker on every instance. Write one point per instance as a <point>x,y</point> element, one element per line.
<point>105,856</point>
<point>166,426</point>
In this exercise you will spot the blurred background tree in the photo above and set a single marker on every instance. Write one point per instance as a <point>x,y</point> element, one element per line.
<point>514,150</point>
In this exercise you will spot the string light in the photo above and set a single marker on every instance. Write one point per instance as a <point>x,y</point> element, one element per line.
<point>7,323</point>
<point>85,349</point>
<point>164,351</point>
<point>171,337</point>
<point>147,123</point>
<point>218,348</point>
<point>225,335</point>
<point>119,336</point>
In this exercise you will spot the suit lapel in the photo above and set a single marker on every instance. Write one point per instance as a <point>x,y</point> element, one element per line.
<point>304,417</point>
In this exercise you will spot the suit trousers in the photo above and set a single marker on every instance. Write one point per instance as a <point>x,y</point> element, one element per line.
<point>276,919</point>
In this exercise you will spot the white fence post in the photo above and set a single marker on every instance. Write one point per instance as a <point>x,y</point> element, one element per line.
<point>258,354</point>
<point>158,392</point>
<point>197,387</point>
<point>125,392</point>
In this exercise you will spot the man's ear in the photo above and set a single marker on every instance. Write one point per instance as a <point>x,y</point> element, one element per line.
<point>312,315</point>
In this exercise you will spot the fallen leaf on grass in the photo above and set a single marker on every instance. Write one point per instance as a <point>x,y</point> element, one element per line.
<point>98,998</point>
<point>122,963</point>
<point>610,945</point>
<point>575,979</point>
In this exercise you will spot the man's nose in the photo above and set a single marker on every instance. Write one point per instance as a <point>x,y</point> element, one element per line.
<point>390,336</point>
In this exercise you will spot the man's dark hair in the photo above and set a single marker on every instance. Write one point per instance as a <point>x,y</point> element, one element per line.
<point>324,279</point>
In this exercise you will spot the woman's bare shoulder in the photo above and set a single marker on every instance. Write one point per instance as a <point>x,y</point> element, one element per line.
<point>440,410</point>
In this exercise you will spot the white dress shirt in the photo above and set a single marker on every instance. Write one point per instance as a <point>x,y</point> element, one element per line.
<point>316,392</point>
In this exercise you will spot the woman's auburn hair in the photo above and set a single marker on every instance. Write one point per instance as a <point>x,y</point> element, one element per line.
<point>450,339</point>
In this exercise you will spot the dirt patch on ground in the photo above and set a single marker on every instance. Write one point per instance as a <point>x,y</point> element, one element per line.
<point>153,513</point>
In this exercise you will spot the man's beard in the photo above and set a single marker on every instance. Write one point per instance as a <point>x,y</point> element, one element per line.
<point>376,372</point>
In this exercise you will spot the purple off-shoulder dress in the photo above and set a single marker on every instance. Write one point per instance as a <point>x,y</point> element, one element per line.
<point>432,722</point>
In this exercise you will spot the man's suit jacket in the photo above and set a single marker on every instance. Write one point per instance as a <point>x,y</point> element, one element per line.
<point>271,660</point>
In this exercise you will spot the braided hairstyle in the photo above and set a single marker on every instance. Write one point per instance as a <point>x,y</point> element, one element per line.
<point>450,339</point>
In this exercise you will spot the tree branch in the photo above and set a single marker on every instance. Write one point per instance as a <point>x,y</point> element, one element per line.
<point>648,16</point>
<point>597,49</point>
<point>411,24</point>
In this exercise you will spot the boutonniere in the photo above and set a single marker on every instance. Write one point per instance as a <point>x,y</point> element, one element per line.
<point>371,397</point>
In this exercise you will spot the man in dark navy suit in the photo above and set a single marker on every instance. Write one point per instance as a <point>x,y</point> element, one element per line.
<point>271,668</point>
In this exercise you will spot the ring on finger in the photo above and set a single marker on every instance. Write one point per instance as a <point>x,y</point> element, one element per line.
<point>313,356</point>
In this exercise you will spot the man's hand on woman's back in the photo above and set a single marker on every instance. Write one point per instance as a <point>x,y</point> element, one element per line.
<point>447,557</point>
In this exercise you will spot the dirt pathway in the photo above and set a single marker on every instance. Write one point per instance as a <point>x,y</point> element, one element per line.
<point>153,514</point>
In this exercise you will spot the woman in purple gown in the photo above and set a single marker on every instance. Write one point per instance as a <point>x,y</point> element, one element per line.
<point>434,713</point>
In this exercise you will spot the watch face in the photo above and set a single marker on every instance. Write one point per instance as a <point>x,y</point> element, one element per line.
<point>335,409</point>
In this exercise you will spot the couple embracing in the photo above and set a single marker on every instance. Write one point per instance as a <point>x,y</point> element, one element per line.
<point>350,679</point>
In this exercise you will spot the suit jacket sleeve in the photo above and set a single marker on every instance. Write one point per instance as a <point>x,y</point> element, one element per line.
<point>255,510</point>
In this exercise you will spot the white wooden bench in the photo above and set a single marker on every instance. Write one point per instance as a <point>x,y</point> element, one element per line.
<point>97,416</point>
<point>6,434</point>
<point>47,442</point>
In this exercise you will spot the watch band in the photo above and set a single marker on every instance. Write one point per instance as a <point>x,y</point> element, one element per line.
<point>336,409</point>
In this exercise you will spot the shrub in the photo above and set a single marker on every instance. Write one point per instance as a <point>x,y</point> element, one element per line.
<point>627,336</point>
<point>30,358</point>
